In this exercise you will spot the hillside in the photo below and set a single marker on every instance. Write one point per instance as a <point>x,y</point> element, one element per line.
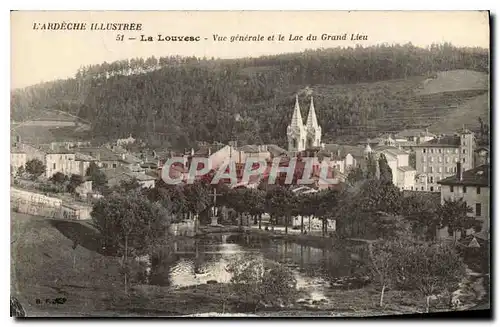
<point>455,80</point>
<point>174,101</point>
<point>48,126</point>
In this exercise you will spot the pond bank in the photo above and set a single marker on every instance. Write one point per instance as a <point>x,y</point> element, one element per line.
<point>316,241</point>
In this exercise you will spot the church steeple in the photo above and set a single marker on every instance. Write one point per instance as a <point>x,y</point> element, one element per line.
<point>312,127</point>
<point>312,121</point>
<point>296,131</point>
<point>297,117</point>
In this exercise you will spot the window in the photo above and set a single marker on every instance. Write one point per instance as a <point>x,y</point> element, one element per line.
<point>450,231</point>
<point>411,188</point>
<point>478,209</point>
<point>447,159</point>
<point>456,151</point>
<point>105,165</point>
<point>422,188</point>
<point>423,150</point>
<point>440,159</point>
<point>430,169</point>
<point>432,150</point>
<point>451,188</point>
<point>463,160</point>
<point>447,150</point>
<point>53,166</point>
<point>464,189</point>
<point>432,159</point>
<point>478,190</point>
<point>425,169</point>
<point>464,151</point>
<point>432,179</point>
<point>440,170</point>
<point>439,150</point>
<point>114,165</point>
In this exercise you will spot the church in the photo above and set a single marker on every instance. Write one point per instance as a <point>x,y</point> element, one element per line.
<point>300,136</point>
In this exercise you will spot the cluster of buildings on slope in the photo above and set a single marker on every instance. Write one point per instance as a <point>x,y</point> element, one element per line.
<point>437,159</point>
<point>76,157</point>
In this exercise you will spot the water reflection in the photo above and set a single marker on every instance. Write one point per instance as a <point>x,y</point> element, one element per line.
<point>198,261</point>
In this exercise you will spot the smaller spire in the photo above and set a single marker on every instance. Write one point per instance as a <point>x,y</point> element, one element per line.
<point>312,121</point>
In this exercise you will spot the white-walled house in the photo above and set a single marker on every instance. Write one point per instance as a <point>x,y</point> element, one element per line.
<point>473,187</point>
<point>403,175</point>
<point>18,159</point>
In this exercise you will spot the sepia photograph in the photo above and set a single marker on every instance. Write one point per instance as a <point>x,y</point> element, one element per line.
<point>250,164</point>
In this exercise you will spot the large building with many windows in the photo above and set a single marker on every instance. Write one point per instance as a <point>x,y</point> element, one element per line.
<point>437,158</point>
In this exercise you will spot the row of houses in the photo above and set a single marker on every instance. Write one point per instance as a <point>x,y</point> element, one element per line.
<point>117,163</point>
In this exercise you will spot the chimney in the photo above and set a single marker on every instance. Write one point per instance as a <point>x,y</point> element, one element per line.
<point>459,170</point>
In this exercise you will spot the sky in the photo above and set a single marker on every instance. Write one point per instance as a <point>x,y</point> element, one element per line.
<point>44,55</point>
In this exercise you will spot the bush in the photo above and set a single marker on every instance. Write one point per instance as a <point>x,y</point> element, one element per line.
<point>260,283</point>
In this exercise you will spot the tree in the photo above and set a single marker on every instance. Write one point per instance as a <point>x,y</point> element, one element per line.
<point>130,224</point>
<point>454,215</point>
<point>75,181</point>
<point>98,178</point>
<point>355,175</point>
<point>385,170</point>
<point>381,254</point>
<point>128,185</point>
<point>35,168</point>
<point>412,159</point>
<point>262,282</point>
<point>280,203</point>
<point>20,171</point>
<point>429,268</point>
<point>421,211</point>
<point>197,199</point>
<point>58,178</point>
<point>371,166</point>
<point>256,204</point>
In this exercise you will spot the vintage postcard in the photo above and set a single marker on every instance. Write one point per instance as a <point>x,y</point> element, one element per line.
<point>245,163</point>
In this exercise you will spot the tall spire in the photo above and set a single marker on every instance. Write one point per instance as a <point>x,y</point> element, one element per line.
<point>312,121</point>
<point>297,117</point>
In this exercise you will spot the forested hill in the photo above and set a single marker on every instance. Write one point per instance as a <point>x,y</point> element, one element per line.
<point>177,100</point>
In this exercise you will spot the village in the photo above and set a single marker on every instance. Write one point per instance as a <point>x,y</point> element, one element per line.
<point>444,166</point>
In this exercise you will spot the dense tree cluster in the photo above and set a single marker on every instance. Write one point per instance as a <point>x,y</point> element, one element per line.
<point>178,101</point>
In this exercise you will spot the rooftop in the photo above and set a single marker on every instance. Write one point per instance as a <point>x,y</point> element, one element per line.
<point>414,133</point>
<point>479,176</point>
<point>101,153</point>
<point>391,150</point>
<point>341,150</point>
<point>443,141</point>
<point>406,169</point>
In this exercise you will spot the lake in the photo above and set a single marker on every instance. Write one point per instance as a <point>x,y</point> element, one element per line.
<point>197,261</point>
